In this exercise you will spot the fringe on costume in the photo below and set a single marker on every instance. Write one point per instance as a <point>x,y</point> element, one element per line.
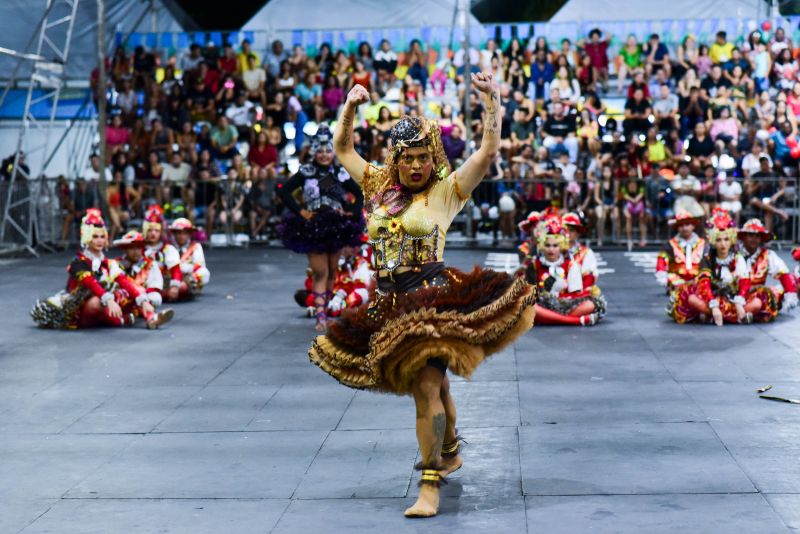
<point>462,321</point>
<point>61,310</point>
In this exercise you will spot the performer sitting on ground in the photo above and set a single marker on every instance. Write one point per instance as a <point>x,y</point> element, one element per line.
<point>350,289</point>
<point>763,264</point>
<point>578,252</point>
<point>139,268</point>
<point>566,295</point>
<point>423,318</point>
<point>327,217</point>
<point>193,262</point>
<point>722,284</point>
<point>164,255</point>
<point>98,292</point>
<point>679,261</point>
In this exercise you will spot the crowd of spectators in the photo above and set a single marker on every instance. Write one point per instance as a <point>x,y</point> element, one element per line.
<point>623,133</point>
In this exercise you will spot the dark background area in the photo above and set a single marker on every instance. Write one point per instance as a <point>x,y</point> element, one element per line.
<point>217,15</point>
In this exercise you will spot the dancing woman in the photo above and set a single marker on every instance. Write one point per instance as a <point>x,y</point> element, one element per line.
<point>423,318</point>
<point>326,218</point>
<point>720,290</point>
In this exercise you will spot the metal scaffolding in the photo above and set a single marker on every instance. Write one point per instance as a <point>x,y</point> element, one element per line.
<point>49,51</point>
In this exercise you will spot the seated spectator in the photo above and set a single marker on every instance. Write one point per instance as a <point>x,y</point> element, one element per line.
<point>515,76</point>
<point>710,86</point>
<point>201,102</point>
<point>128,101</point>
<point>693,111</point>
<point>223,139</point>
<point>637,114</point>
<point>92,174</point>
<point>116,137</point>
<point>309,93</point>
<point>656,149</point>
<point>687,190</point>
<point>597,50</point>
<point>765,189</point>
<point>161,139</point>
<point>721,51</point>
<point>665,108</point>
<point>274,57</point>
<point>657,56</point>
<point>417,62</point>
<point>148,178</point>
<point>227,64</point>
<point>243,58</point>
<point>261,202</point>
<point>454,145</point>
<point>730,195</point>
<point>542,73</point>
<point>332,96</point>
<point>568,87</point>
<point>190,62</point>
<point>175,179</point>
<point>559,132</point>
<point>240,115</point>
<point>385,63</point>
<point>263,155</point>
<point>725,127</point>
<point>701,147</point>
<point>522,131</point>
<point>187,142</point>
<point>751,162</point>
<point>254,80</point>
<point>630,56</point>
<point>118,205</point>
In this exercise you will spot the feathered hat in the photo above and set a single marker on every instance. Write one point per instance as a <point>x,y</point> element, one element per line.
<point>684,217</point>
<point>721,223</point>
<point>551,227</point>
<point>181,224</point>
<point>91,221</point>
<point>153,218</point>
<point>574,220</point>
<point>132,239</point>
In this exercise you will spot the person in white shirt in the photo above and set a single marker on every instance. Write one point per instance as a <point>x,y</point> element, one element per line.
<point>751,163</point>
<point>240,114</point>
<point>92,174</point>
<point>687,189</point>
<point>730,194</point>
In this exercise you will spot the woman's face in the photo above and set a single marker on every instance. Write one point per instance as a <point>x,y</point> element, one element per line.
<point>415,167</point>
<point>723,245</point>
<point>98,241</point>
<point>552,250</point>
<point>262,138</point>
<point>631,42</point>
<point>562,73</point>
<point>607,173</point>
<point>324,156</point>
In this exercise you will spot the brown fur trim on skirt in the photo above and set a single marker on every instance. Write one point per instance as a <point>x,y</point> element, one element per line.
<point>384,345</point>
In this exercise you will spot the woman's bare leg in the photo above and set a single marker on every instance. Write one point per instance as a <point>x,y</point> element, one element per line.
<point>431,426</point>
<point>451,463</point>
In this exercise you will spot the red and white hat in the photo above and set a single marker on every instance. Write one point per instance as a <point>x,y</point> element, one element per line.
<point>181,224</point>
<point>132,239</point>
<point>755,226</point>
<point>574,220</point>
<point>684,217</point>
<point>530,222</point>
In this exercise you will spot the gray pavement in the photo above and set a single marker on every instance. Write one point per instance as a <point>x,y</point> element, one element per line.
<point>218,422</point>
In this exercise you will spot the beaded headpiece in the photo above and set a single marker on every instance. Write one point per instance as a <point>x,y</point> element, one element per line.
<point>322,139</point>
<point>91,221</point>
<point>409,132</point>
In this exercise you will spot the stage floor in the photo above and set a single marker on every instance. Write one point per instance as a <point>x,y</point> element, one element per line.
<point>219,423</point>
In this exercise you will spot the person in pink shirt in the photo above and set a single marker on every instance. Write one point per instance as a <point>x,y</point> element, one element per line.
<point>116,136</point>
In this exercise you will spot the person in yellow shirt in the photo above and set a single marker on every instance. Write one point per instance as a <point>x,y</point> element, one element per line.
<point>721,51</point>
<point>242,63</point>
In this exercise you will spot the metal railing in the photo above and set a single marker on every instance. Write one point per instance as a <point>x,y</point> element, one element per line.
<point>495,209</point>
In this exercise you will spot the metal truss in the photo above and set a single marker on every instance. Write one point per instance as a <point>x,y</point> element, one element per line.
<point>49,51</point>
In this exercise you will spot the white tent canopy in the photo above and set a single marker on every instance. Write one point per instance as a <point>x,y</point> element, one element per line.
<point>19,20</point>
<point>629,10</point>
<point>280,17</point>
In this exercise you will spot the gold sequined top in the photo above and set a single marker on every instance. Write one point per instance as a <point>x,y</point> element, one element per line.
<point>416,235</point>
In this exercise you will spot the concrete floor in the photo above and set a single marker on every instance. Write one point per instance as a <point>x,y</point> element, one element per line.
<point>218,422</point>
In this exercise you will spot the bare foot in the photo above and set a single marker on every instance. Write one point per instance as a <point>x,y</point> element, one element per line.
<point>427,504</point>
<point>450,465</point>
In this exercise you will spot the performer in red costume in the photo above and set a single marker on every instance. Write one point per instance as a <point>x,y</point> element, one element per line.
<point>763,264</point>
<point>139,268</point>
<point>193,261</point>
<point>578,252</point>
<point>566,296</point>
<point>98,292</point>
<point>679,261</point>
<point>723,282</point>
<point>164,254</point>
